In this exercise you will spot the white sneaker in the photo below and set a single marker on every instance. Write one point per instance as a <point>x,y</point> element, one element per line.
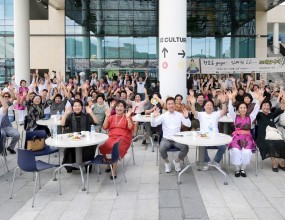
<point>206,166</point>
<point>167,167</point>
<point>217,164</point>
<point>177,166</point>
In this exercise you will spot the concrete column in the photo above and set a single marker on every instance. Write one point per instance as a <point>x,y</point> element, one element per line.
<point>85,30</point>
<point>22,40</point>
<point>172,47</point>
<point>99,29</point>
<point>261,29</point>
<point>219,47</point>
<point>235,43</point>
<point>99,54</point>
<point>276,45</point>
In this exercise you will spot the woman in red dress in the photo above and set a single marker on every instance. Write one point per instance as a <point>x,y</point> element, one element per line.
<point>120,127</point>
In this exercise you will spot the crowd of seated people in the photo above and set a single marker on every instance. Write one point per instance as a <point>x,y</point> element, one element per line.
<point>109,103</point>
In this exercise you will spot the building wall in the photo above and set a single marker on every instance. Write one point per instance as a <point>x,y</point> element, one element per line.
<point>276,14</point>
<point>47,49</point>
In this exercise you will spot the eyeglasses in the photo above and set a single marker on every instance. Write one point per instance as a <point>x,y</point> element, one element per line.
<point>6,96</point>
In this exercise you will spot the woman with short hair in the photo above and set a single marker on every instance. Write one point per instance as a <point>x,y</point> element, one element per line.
<point>270,148</point>
<point>76,120</point>
<point>120,127</point>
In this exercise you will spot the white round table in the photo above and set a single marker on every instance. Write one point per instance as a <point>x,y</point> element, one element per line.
<point>63,141</point>
<point>226,120</point>
<point>191,138</point>
<point>49,122</point>
<point>146,119</point>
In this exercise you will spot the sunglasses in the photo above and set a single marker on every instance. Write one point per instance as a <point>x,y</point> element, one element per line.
<point>6,96</point>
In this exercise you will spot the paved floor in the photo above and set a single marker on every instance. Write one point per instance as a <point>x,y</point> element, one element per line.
<point>148,194</point>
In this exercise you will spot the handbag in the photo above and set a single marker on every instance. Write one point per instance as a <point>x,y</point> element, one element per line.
<point>272,133</point>
<point>36,144</point>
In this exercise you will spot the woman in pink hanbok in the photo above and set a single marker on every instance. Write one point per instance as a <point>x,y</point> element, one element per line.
<point>242,144</point>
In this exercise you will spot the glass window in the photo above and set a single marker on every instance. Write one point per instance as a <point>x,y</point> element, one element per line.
<point>226,47</point>
<point>111,30</point>
<point>126,29</point>
<point>69,29</point>
<point>210,47</point>
<point>9,29</point>
<point>111,47</point>
<point>78,47</point>
<point>1,9</point>
<point>70,47</point>
<point>68,21</point>
<point>82,47</point>
<point>152,47</point>
<point>93,49</point>
<point>78,29</point>
<point>188,48</point>
<point>126,46</point>
<point>198,48</point>
<point>251,47</point>
<point>2,46</point>
<point>126,4</point>
<point>9,10</point>
<point>141,47</point>
<point>9,22</point>
<point>9,46</point>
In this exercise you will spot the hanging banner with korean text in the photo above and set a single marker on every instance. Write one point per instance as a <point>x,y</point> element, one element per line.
<point>266,65</point>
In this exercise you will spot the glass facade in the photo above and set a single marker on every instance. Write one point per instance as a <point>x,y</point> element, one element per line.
<point>127,31</point>
<point>122,34</point>
<point>6,40</point>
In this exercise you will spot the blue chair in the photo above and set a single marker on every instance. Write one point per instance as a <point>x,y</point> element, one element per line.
<point>27,162</point>
<point>48,150</point>
<point>99,160</point>
<point>3,157</point>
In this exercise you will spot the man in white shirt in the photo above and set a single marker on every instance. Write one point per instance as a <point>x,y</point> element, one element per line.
<point>171,124</point>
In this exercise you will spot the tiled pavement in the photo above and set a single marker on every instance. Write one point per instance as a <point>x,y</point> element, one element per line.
<point>148,194</point>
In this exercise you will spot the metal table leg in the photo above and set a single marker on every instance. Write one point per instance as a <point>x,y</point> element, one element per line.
<point>78,159</point>
<point>226,128</point>
<point>201,157</point>
<point>78,164</point>
<point>148,134</point>
<point>200,164</point>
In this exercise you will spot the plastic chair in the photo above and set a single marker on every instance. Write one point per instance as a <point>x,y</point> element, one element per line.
<point>3,157</point>
<point>47,149</point>
<point>27,162</point>
<point>99,160</point>
<point>133,154</point>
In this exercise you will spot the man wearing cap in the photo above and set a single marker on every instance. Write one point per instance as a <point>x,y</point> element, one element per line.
<point>6,127</point>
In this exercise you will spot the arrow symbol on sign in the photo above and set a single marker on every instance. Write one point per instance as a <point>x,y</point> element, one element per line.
<point>183,53</point>
<point>164,51</point>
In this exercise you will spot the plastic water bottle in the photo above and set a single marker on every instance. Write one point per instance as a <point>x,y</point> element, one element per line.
<point>58,115</point>
<point>54,132</point>
<point>92,129</point>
